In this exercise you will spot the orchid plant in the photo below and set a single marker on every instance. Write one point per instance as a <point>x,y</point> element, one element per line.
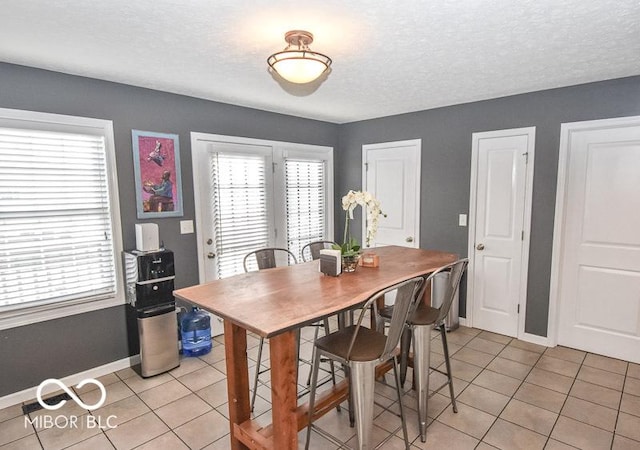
<point>350,246</point>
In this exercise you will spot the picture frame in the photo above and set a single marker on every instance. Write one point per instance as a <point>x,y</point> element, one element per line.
<point>158,181</point>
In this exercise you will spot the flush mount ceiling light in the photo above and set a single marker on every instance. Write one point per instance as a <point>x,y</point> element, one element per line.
<point>297,63</point>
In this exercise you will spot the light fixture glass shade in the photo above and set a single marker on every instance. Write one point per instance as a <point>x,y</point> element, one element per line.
<point>297,63</point>
<point>299,66</point>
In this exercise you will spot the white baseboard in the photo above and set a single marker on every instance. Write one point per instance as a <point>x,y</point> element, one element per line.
<point>463,321</point>
<point>71,380</point>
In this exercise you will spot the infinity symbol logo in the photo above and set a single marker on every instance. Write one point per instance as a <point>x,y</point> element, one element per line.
<point>72,394</point>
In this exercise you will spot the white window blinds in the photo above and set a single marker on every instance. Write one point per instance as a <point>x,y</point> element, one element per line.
<point>239,208</point>
<point>56,237</point>
<point>305,183</point>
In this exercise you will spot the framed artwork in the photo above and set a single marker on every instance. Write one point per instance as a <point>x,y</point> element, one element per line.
<point>156,162</point>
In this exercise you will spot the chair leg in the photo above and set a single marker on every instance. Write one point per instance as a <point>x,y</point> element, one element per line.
<point>350,403</point>
<point>312,394</point>
<point>325,325</point>
<point>445,348</point>
<point>327,331</point>
<point>363,385</point>
<point>255,378</point>
<point>332,367</point>
<point>421,359</point>
<point>313,354</point>
<point>405,346</point>
<point>400,403</point>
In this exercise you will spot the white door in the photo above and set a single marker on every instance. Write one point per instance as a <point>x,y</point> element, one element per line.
<point>501,175</point>
<point>597,240</point>
<point>236,207</point>
<point>253,193</point>
<point>392,175</point>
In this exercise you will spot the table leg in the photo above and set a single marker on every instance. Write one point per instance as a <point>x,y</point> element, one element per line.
<point>235,347</point>
<point>345,319</point>
<point>284,398</point>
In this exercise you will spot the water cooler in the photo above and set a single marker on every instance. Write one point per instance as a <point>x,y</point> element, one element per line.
<point>151,310</point>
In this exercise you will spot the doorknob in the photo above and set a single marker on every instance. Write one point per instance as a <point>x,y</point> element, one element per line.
<point>480,247</point>
<point>211,255</point>
<point>209,241</point>
<point>409,239</point>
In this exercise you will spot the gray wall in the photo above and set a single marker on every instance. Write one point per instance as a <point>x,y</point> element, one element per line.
<point>69,345</point>
<point>61,347</point>
<point>446,164</point>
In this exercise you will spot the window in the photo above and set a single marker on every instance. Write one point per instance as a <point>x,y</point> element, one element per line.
<point>59,224</point>
<point>306,202</point>
<point>239,208</point>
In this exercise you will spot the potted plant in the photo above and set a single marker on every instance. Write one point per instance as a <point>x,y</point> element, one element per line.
<point>350,248</point>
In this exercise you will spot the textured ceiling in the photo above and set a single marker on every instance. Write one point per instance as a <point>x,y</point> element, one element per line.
<point>388,57</point>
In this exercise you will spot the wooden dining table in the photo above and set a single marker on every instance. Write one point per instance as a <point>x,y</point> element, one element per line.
<point>274,304</point>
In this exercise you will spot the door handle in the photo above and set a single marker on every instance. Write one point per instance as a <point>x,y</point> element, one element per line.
<point>480,247</point>
<point>409,239</point>
<point>211,255</point>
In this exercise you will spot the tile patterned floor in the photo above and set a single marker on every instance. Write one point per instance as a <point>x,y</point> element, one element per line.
<point>511,395</point>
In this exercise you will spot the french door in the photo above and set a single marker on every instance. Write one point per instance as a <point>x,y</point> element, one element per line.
<point>252,193</point>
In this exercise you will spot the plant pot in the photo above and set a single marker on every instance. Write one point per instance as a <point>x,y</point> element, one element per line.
<point>349,263</point>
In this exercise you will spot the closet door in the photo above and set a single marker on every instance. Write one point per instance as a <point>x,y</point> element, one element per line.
<point>596,276</point>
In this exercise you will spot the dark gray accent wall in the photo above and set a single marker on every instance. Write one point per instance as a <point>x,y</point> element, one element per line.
<point>61,347</point>
<point>446,164</point>
<point>72,344</point>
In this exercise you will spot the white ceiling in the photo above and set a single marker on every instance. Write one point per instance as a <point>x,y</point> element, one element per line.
<point>389,57</point>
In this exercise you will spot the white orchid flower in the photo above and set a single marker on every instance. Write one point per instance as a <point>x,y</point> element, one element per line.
<point>366,200</point>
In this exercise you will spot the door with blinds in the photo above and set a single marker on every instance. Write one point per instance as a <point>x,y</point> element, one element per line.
<point>252,194</point>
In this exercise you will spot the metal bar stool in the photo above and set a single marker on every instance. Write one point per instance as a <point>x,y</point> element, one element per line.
<point>266,258</point>
<point>313,249</point>
<point>419,326</point>
<point>362,349</point>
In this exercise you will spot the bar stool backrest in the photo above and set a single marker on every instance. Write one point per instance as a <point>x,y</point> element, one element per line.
<point>456,270</point>
<point>266,258</point>
<point>314,249</point>
<point>409,293</point>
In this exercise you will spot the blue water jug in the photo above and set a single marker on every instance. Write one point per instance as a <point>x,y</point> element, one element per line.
<point>196,333</point>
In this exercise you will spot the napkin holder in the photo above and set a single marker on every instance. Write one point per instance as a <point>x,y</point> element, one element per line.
<point>370,260</point>
<point>330,262</point>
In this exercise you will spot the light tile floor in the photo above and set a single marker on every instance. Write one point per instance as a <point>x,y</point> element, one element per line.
<point>511,395</point>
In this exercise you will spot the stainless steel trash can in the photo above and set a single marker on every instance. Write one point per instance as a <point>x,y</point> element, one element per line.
<point>158,333</point>
<point>438,289</point>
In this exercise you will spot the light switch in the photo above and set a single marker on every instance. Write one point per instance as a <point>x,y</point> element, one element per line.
<point>462,220</point>
<point>186,226</point>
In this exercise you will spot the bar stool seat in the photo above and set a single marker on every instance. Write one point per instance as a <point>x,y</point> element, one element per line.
<point>368,346</point>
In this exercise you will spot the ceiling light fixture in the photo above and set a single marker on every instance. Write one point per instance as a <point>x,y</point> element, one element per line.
<point>297,63</point>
